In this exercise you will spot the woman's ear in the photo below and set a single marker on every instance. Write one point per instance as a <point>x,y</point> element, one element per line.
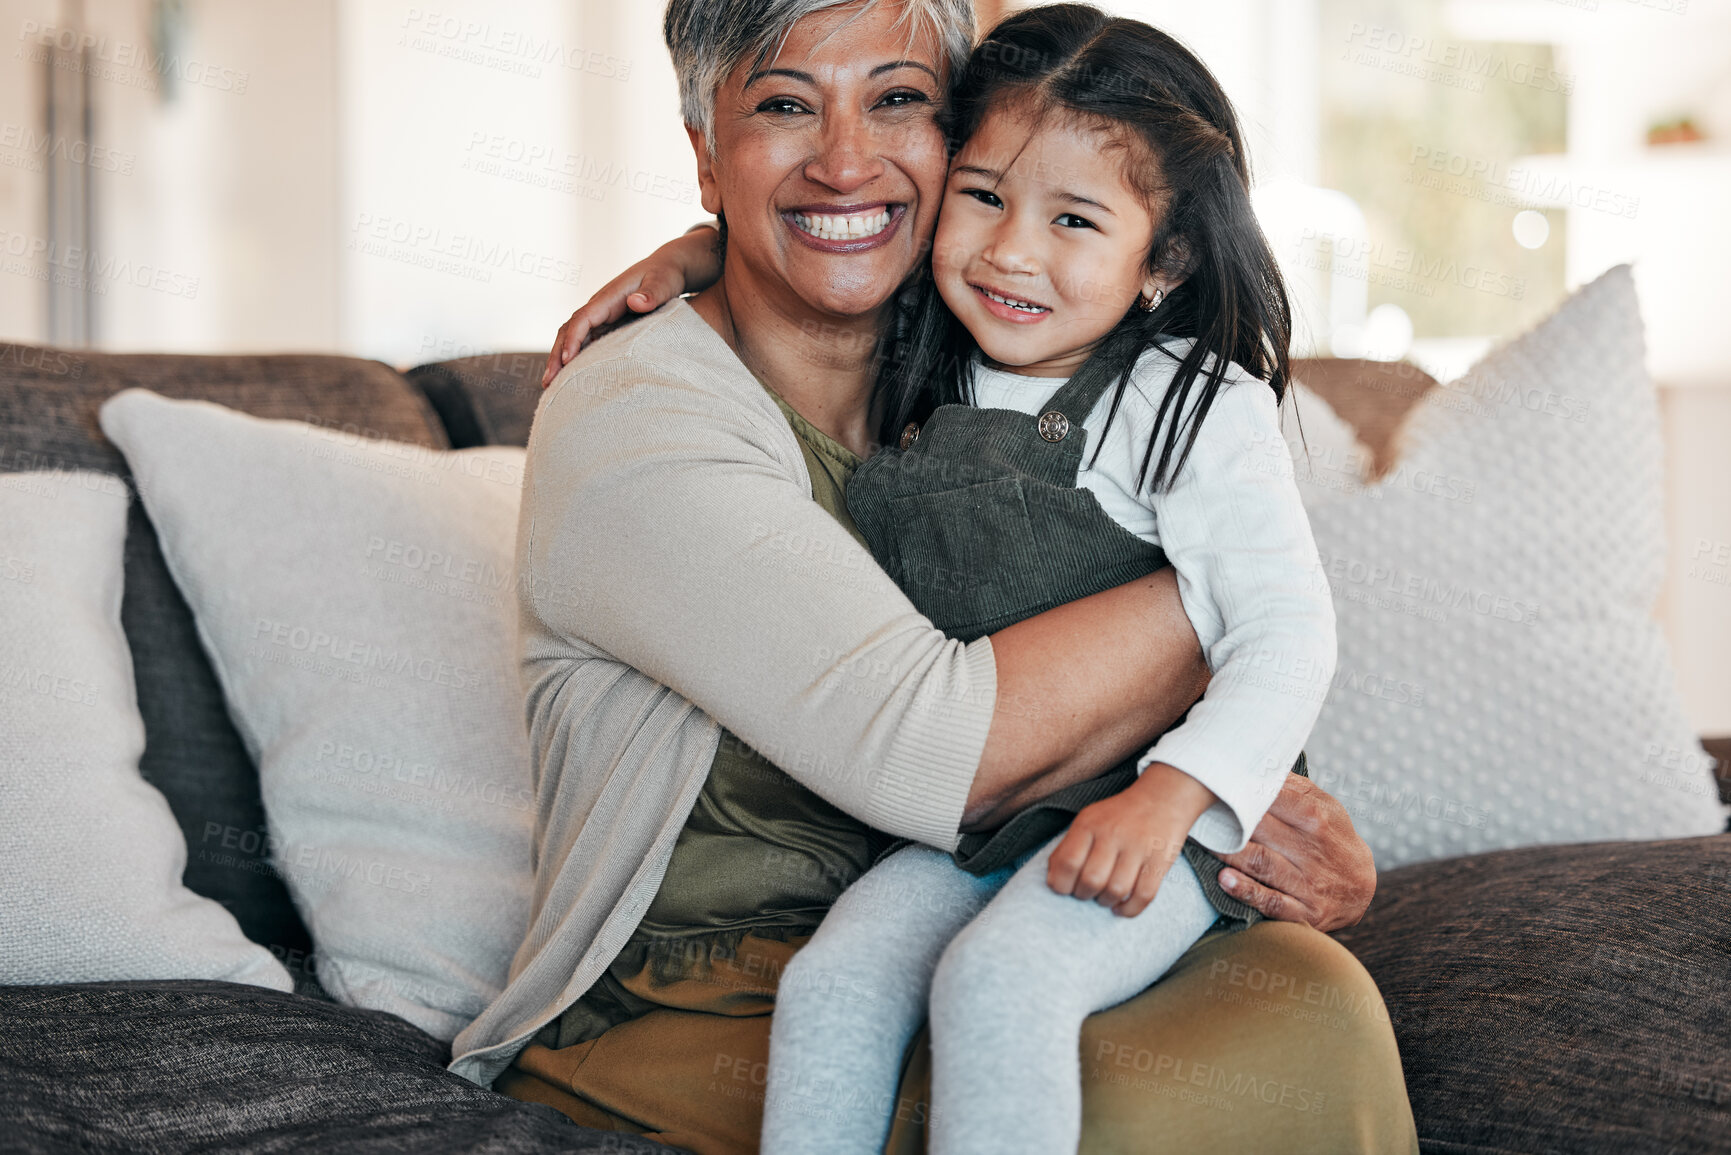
<point>709,190</point>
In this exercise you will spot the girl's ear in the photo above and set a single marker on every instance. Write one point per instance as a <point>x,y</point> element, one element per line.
<point>1162,281</point>
<point>709,189</point>
<point>1169,268</point>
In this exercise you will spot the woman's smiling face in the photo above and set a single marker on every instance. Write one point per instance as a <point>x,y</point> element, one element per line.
<point>829,163</point>
<point>1043,244</point>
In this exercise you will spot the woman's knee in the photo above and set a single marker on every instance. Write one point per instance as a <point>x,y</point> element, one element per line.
<point>1274,1037</point>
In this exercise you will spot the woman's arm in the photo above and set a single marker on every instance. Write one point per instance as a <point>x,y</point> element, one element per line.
<point>668,526</point>
<point>1080,688</point>
<point>685,264</point>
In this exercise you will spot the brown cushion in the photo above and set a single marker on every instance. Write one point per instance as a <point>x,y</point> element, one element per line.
<point>1374,397</point>
<point>1568,999</point>
<point>192,753</point>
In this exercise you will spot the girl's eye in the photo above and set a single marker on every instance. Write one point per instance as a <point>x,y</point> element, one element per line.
<point>1072,221</point>
<point>781,105</point>
<point>984,196</point>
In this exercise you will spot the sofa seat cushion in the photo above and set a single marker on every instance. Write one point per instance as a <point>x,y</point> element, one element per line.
<point>48,404</point>
<point>1568,999</point>
<point>211,1066</point>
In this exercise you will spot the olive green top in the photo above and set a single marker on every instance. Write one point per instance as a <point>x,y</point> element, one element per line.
<point>760,853</point>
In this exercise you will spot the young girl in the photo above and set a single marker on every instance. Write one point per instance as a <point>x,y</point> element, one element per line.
<point>1098,399</point>
<point>1111,362</point>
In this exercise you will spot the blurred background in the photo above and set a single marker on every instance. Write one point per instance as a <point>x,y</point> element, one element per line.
<point>421,182</point>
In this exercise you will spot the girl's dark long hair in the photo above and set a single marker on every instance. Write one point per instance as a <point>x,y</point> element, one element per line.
<point>1187,156</point>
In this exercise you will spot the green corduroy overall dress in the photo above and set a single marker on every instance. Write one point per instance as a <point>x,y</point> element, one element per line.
<point>979,519</point>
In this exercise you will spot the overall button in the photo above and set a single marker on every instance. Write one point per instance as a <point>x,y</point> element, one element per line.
<point>1054,426</point>
<point>910,434</point>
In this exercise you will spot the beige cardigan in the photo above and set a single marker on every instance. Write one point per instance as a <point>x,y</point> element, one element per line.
<point>674,577</point>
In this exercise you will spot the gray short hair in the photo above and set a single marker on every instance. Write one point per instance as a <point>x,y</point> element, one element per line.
<point>709,38</point>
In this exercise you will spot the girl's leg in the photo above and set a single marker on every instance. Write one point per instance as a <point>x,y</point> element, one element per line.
<point>851,999</point>
<point>1010,994</point>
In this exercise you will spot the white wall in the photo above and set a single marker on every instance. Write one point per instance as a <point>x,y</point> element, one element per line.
<point>396,180</point>
<point>456,230</point>
<point>214,208</point>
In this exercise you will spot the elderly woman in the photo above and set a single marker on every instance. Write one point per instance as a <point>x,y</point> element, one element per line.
<point>734,710</point>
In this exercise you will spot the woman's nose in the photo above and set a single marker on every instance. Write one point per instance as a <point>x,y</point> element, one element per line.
<point>848,156</point>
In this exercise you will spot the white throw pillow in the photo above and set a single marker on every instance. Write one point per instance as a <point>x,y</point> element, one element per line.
<point>90,854</point>
<point>356,601</point>
<point>1502,681</point>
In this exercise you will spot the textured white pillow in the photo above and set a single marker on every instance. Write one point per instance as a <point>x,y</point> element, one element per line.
<point>90,854</point>
<point>356,600</point>
<point>1501,680</point>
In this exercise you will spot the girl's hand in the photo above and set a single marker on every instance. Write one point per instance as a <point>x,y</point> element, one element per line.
<point>685,265</point>
<point>1118,850</point>
<point>1305,862</point>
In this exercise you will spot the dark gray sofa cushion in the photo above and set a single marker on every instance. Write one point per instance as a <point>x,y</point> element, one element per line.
<point>48,404</point>
<point>1573,1000</point>
<point>487,400</point>
<point>217,1067</point>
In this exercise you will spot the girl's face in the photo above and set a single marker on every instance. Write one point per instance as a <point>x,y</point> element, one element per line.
<point>1042,245</point>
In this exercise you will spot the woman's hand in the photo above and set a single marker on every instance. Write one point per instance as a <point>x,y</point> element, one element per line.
<point>684,265</point>
<point>1305,862</point>
<point>1118,850</point>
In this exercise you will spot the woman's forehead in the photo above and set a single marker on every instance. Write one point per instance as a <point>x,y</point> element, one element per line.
<point>865,37</point>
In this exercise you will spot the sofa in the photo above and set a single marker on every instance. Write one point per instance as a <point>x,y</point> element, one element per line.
<point>1549,999</point>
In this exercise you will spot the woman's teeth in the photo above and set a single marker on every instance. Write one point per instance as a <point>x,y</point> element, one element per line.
<point>1019,306</point>
<point>843,227</point>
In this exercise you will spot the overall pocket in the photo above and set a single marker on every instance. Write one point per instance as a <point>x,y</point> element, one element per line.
<point>967,556</point>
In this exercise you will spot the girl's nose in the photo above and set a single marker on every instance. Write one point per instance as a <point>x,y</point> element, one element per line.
<point>847,157</point>
<point>1009,252</point>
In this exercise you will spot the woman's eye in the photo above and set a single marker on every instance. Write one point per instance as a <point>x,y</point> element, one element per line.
<point>984,196</point>
<point>783,105</point>
<point>1072,221</point>
<point>901,98</point>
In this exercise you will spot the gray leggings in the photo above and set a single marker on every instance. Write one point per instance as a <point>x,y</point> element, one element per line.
<point>1009,968</point>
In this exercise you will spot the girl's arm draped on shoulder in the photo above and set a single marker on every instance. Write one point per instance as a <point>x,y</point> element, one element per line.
<point>669,526</point>
<point>686,264</point>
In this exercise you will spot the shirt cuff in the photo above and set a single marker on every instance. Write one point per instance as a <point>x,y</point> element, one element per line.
<point>1241,792</point>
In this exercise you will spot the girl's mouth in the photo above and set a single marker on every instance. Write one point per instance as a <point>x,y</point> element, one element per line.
<point>850,229</point>
<point>1016,310</point>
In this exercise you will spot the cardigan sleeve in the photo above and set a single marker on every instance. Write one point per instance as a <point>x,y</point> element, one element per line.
<point>670,526</point>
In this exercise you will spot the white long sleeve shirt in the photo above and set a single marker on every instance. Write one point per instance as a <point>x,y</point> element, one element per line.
<point>1235,530</point>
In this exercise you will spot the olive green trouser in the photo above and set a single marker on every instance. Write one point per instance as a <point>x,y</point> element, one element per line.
<point>1271,1039</point>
